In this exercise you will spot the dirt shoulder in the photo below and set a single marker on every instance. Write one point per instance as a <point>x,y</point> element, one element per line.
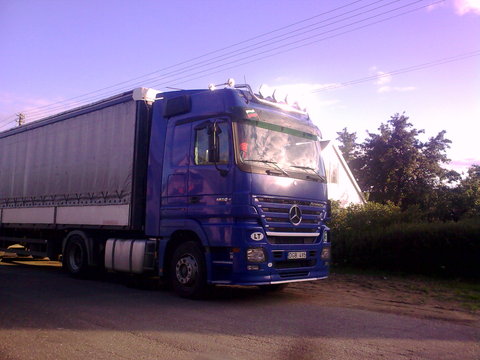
<point>449,300</point>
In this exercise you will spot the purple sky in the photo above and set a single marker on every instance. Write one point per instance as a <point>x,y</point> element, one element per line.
<point>53,51</point>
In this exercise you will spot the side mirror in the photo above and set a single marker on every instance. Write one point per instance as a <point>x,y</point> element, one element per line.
<point>214,129</point>
<point>214,147</point>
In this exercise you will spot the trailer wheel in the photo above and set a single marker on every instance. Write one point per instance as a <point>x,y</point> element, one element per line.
<point>75,257</point>
<point>188,271</point>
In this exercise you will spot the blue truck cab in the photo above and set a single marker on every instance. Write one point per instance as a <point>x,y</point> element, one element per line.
<point>236,191</point>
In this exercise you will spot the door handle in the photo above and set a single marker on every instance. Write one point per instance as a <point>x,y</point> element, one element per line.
<point>194,199</point>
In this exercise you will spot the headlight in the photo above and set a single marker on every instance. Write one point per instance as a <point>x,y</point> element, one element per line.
<point>255,255</point>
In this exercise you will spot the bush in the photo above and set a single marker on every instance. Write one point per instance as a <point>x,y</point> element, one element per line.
<point>368,216</point>
<point>383,237</point>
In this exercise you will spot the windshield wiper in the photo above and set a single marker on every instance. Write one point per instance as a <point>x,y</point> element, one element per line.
<point>269,162</point>
<point>321,177</point>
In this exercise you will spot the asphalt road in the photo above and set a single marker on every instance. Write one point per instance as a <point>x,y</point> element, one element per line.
<point>45,314</point>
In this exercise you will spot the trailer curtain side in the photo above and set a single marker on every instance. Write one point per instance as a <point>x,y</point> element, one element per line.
<point>77,170</point>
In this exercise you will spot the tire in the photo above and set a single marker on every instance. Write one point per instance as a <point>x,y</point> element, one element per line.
<point>188,271</point>
<point>75,257</point>
<point>273,287</point>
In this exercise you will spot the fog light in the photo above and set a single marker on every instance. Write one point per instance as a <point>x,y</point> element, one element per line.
<point>253,267</point>
<point>255,255</point>
<point>325,253</point>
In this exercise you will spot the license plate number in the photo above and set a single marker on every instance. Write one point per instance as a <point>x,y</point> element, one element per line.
<point>297,255</point>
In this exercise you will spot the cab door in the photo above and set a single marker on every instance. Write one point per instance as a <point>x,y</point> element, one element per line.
<point>210,182</point>
<point>175,171</point>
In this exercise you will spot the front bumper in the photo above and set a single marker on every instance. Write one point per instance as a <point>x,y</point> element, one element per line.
<point>278,268</point>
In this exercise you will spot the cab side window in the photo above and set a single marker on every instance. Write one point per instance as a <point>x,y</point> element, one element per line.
<point>212,144</point>
<point>179,155</point>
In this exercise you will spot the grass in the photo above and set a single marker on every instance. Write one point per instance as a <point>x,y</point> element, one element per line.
<point>464,292</point>
<point>469,293</point>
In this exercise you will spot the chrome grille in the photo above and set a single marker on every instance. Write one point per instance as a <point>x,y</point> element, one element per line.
<point>274,213</point>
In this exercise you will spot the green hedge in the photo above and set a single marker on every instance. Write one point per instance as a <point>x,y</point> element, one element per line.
<point>382,237</point>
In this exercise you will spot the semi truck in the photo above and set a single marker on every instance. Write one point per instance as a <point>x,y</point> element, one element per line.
<point>201,187</point>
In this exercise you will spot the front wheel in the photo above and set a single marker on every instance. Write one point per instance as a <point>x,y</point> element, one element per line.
<point>188,271</point>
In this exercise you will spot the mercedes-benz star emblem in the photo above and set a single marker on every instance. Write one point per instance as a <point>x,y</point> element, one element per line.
<point>295,215</point>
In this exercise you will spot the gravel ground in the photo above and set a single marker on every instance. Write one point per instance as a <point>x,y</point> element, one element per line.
<point>45,314</point>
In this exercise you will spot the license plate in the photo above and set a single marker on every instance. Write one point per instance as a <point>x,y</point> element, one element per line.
<point>296,255</point>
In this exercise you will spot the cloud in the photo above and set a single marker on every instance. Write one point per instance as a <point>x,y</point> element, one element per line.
<point>462,165</point>
<point>435,6</point>
<point>387,89</point>
<point>33,108</point>
<point>6,98</point>
<point>463,7</point>
<point>305,88</point>
<point>465,162</point>
<point>282,79</point>
<point>325,103</point>
<point>383,81</point>
<point>383,78</point>
<point>302,93</point>
<point>317,104</point>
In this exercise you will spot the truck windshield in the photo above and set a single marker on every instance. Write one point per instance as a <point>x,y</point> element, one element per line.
<point>279,150</point>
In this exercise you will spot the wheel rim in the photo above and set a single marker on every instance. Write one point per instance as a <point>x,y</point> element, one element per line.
<point>186,269</point>
<point>75,257</point>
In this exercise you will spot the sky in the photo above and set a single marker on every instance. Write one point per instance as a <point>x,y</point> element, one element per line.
<point>421,57</point>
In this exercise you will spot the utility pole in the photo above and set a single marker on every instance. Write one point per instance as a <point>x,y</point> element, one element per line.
<point>20,119</point>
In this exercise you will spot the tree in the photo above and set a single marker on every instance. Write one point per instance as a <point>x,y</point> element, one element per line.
<point>394,165</point>
<point>350,150</point>
<point>348,145</point>
<point>470,192</point>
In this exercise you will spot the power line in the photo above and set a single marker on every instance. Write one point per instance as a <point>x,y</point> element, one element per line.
<point>402,70</point>
<point>6,122</point>
<point>269,42</point>
<point>201,56</point>
<point>37,113</point>
<point>408,69</point>
<point>278,39</point>
<point>283,48</point>
<point>281,51</point>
